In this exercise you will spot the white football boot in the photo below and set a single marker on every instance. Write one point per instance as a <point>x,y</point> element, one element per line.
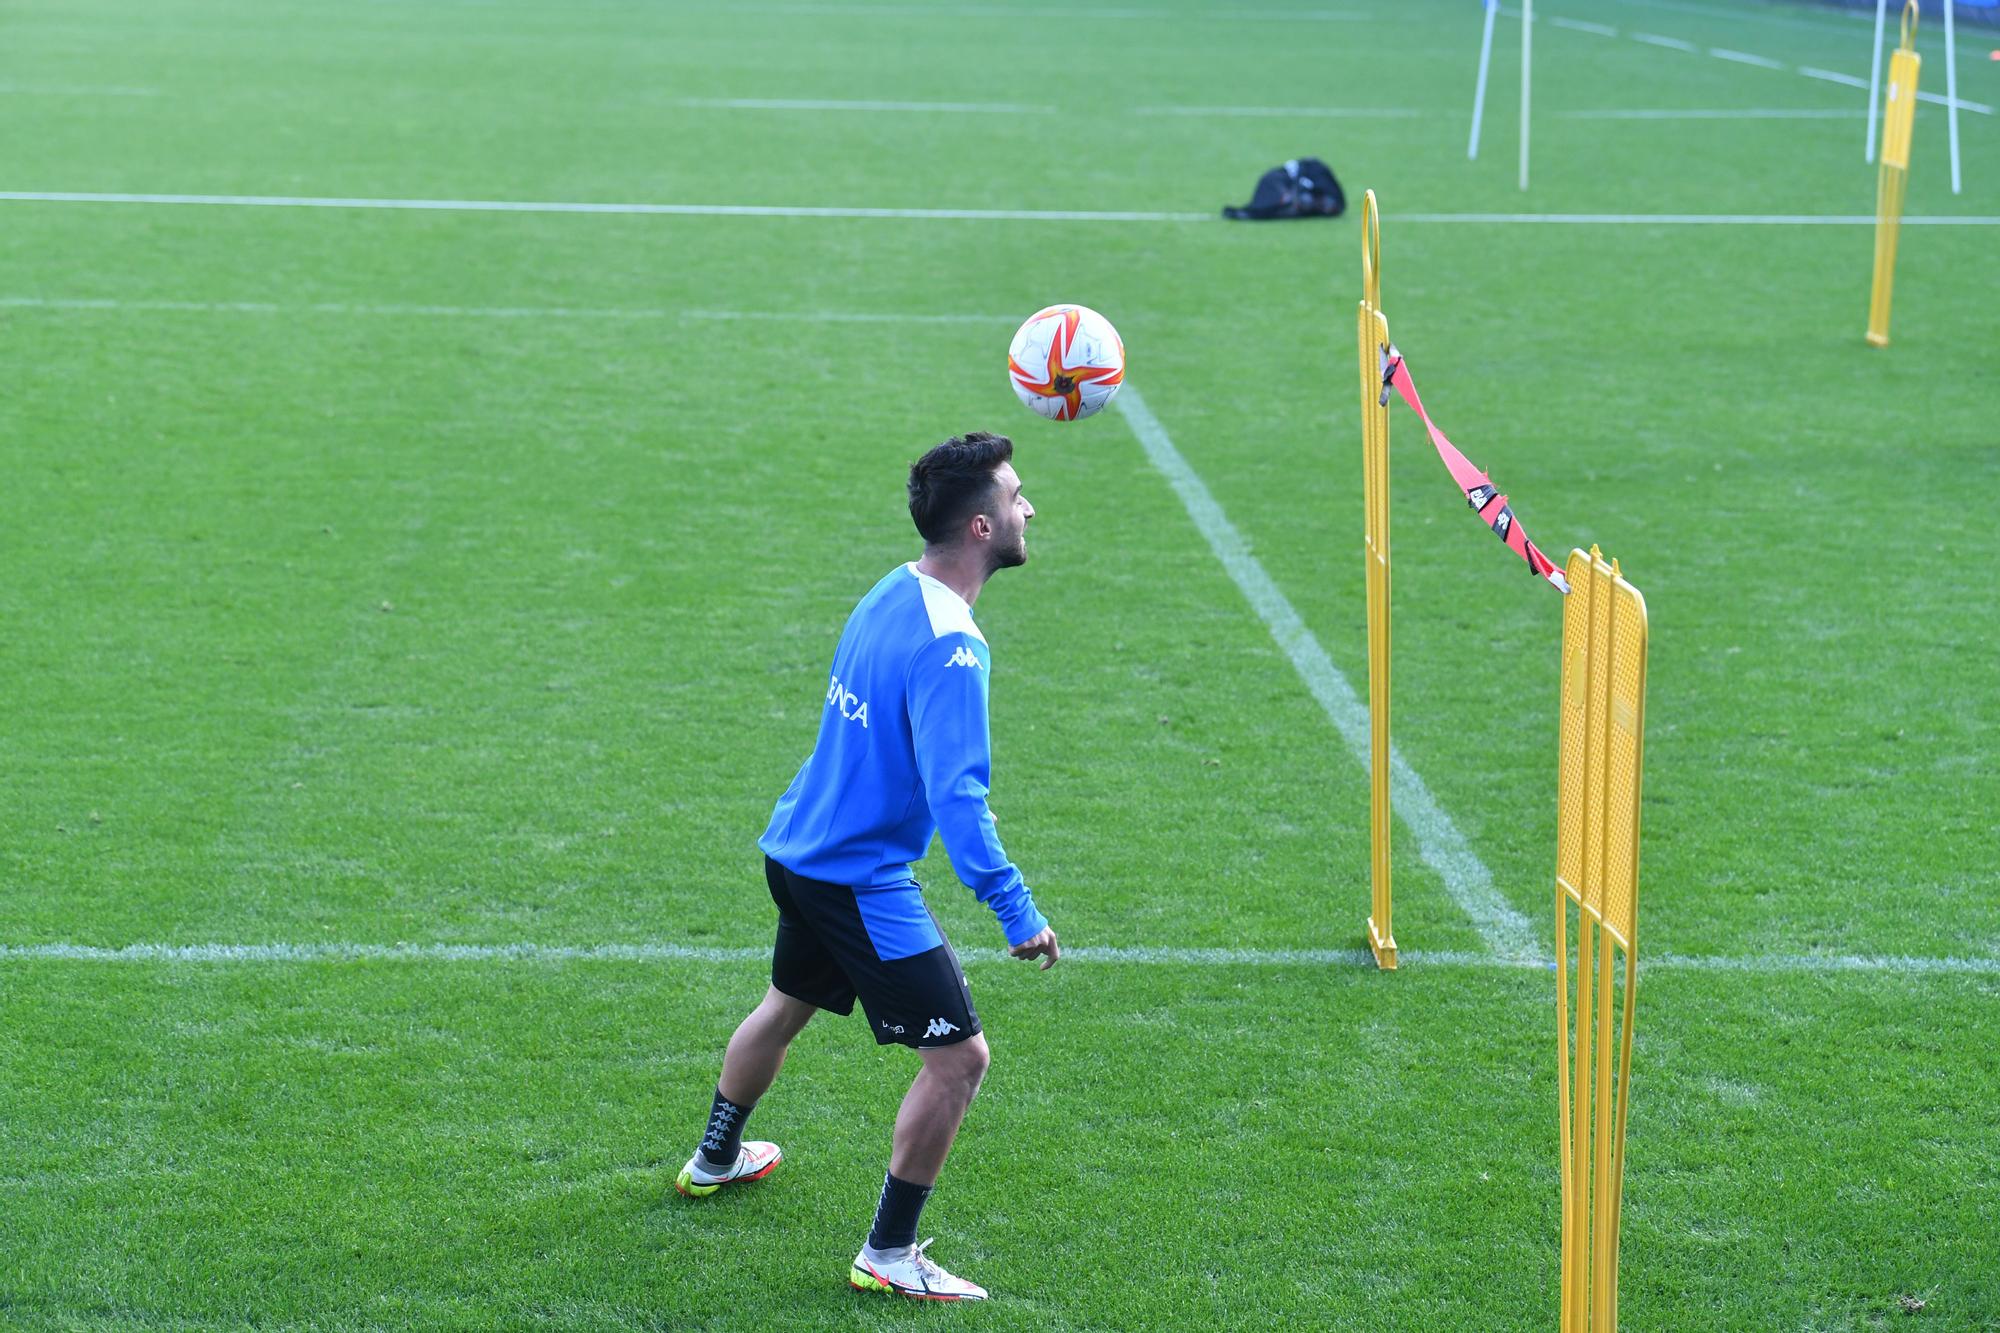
<point>757,1160</point>
<point>910,1273</point>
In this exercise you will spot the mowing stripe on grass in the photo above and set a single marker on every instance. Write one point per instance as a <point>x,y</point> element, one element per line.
<point>1505,931</point>
<point>72,90</point>
<point>942,214</point>
<point>113,304</point>
<point>1008,12</point>
<point>1283,112</point>
<point>1697,113</point>
<point>1018,109</point>
<point>845,317</point>
<point>1133,955</point>
<point>577,206</point>
<point>827,104</point>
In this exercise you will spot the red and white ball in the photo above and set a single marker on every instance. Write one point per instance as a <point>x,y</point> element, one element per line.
<point>1066,362</point>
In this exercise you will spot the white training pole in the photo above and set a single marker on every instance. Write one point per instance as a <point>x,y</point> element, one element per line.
<point>1479,94</point>
<point>1527,26</point>
<point>1951,92</point>
<point>1874,82</point>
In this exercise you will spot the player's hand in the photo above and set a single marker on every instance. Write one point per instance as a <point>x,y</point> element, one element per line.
<point>1043,946</point>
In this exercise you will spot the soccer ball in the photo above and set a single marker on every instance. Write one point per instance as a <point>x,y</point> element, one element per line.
<point>1066,362</point>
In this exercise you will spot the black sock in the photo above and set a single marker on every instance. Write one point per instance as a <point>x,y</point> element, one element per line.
<point>724,1137</point>
<point>896,1215</point>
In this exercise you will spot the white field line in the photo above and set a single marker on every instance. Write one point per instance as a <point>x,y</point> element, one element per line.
<point>940,214</point>
<point>632,313</point>
<point>1139,955</point>
<point>1698,113</point>
<point>1017,109</point>
<point>1505,931</point>
<point>1694,219</point>
<point>1745,58</point>
<point>1935,99</point>
<point>1283,112</point>
<point>1765,13</point>
<point>1940,99</point>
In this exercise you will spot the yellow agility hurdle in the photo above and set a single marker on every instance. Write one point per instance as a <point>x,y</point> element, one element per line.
<point>1375,549</point>
<point>1893,177</point>
<point>1603,715</point>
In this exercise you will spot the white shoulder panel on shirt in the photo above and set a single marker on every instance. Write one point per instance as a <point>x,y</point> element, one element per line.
<point>948,612</point>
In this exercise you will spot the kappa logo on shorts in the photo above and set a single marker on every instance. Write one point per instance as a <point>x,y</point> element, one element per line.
<point>963,656</point>
<point>940,1028</point>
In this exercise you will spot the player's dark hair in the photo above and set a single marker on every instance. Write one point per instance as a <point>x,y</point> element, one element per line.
<point>954,481</point>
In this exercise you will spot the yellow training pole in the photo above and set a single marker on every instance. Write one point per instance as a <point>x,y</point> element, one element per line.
<point>1893,176</point>
<point>1375,548</point>
<point>1603,711</point>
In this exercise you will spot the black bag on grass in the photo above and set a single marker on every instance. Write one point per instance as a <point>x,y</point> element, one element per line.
<point>1302,188</point>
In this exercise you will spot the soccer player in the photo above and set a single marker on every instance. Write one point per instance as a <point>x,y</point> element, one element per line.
<point>903,754</point>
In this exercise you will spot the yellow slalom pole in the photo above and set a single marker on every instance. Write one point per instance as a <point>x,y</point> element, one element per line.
<point>1893,176</point>
<point>1602,716</point>
<point>1374,345</point>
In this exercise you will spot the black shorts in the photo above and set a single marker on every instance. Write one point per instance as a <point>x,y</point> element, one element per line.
<point>824,956</point>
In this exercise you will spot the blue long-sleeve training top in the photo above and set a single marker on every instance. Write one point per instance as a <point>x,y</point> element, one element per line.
<point>904,752</point>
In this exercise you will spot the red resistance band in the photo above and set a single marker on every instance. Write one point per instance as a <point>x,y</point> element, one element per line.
<point>1480,492</point>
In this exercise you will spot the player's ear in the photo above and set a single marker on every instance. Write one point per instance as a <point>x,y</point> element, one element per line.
<point>982,526</point>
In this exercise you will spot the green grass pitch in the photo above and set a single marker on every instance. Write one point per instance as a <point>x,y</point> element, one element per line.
<point>351,602</point>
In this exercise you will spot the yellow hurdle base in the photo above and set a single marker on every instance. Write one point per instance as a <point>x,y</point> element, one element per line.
<point>1385,948</point>
<point>1878,339</point>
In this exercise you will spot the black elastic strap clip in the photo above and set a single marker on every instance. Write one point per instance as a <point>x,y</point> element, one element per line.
<point>1391,360</point>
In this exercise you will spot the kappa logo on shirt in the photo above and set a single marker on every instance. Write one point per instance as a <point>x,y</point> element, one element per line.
<point>965,657</point>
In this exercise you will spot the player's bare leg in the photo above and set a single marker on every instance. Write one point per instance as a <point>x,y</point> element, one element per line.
<point>749,1067</point>
<point>935,1106</point>
<point>932,1111</point>
<point>757,1050</point>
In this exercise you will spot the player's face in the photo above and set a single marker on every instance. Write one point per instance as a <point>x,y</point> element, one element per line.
<point>1010,524</point>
